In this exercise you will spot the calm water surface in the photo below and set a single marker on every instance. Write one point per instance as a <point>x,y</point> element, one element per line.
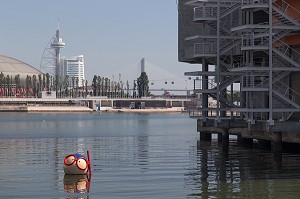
<point>134,156</point>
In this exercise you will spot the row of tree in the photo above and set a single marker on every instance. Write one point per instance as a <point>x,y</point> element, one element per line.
<point>69,87</point>
<point>103,86</point>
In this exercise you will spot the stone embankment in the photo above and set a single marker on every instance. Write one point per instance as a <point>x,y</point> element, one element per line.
<point>25,108</point>
<point>152,110</point>
<point>44,109</point>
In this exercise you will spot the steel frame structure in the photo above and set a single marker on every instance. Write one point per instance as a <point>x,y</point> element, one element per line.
<point>245,41</point>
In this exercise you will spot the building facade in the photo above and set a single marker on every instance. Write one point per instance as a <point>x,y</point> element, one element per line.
<point>253,45</point>
<point>73,67</point>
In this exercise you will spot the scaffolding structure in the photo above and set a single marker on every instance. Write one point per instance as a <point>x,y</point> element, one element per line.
<point>253,45</point>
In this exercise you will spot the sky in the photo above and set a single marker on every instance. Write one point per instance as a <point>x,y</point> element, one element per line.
<point>112,35</point>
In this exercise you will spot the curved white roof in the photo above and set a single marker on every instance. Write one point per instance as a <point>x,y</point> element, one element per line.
<point>11,66</point>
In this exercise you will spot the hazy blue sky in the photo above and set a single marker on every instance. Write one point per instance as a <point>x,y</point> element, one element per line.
<point>113,35</point>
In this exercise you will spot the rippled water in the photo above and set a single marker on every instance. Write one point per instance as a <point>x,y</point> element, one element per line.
<point>134,156</point>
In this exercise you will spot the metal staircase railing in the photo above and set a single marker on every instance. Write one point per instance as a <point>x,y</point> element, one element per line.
<point>254,2</point>
<point>254,81</point>
<point>232,8</point>
<point>286,93</point>
<point>205,13</point>
<point>255,40</point>
<point>287,53</point>
<point>279,34</point>
<point>286,10</point>
<point>205,48</point>
<point>226,46</point>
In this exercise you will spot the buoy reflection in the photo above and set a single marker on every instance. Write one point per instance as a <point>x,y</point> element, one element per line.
<point>76,184</point>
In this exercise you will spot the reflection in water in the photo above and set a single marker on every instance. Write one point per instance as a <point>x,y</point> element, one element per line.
<point>76,184</point>
<point>135,156</point>
<point>241,173</point>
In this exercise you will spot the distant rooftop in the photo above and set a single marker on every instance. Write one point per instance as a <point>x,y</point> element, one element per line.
<point>12,66</point>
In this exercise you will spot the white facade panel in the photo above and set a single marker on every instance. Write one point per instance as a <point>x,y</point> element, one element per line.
<point>74,67</point>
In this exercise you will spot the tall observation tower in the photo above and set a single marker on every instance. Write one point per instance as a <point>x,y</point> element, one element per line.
<point>57,44</point>
<point>50,61</point>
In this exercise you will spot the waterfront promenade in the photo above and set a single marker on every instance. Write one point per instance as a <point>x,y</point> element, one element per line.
<point>86,109</point>
<point>88,105</point>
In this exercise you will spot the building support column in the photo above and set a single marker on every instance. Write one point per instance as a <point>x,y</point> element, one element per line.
<point>205,136</point>
<point>220,138</point>
<point>247,142</point>
<point>264,144</point>
<point>225,141</point>
<point>276,143</point>
<point>204,87</point>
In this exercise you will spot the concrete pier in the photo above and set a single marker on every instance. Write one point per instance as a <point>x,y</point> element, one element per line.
<point>268,136</point>
<point>205,136</point>
<point>276,143</point>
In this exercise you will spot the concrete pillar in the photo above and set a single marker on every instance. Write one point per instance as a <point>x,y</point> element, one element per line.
<point>264,144</point>
<point>225,141</point>
<point>205,136</point>
<point>220,137</point>
<point>276,143</point>
<point>247,142</point>
<point>204,87</point>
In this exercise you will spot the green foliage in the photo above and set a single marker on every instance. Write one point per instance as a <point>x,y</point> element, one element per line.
<point>143,85</point>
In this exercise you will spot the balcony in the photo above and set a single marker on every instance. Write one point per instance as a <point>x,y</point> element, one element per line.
<point>254,5</point>
<point>205,49</point>
<point>255,42</point>
<point>205,14</point>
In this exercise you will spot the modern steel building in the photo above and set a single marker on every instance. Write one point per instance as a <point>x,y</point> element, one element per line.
<point>252,45</point>
<point>73,67</point>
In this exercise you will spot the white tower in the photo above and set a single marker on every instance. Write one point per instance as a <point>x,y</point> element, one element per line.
<point>57,44</point>
<point>50,61</point>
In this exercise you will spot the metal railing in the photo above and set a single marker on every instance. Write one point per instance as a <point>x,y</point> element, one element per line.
<point>287,50</point>
<point>289,10</point>
<point>253,81</point>
<point>253,39</point>
<point>210,82</point>
<point>253,2</point>
<point>286,91</point>
<point>205,12</point>
<point>205,48</point>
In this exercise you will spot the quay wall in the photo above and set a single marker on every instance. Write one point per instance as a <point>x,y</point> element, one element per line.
<point>91,104</point>
<point>282,132</point>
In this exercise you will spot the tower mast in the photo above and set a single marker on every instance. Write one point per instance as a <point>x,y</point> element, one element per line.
<point>57,44</point>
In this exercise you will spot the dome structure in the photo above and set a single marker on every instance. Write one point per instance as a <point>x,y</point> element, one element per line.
<point>12,67</point>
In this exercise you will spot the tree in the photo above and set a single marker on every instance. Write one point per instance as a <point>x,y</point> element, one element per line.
<point>28,84</point>
<point>143,85</point>
<point>127,87</point>
<point>44,82</point>
<point>1,79</point>
<point>66,86</point>
<point>236,96</point>
<point>86,87</point>
<point>34,81</point>
<point>47,81</point>
<point>8,85</point>
<point>134,89</point>
<point>106,86</point>
<point>77,85</point>
<point>17,81</point>
<point>99,85</point>
<point>94,85</point>
<point>2,83</point>
<point>57,85</point>
<point>40,82</point>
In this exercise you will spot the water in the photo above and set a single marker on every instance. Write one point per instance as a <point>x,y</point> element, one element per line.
<point>134,156</point>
